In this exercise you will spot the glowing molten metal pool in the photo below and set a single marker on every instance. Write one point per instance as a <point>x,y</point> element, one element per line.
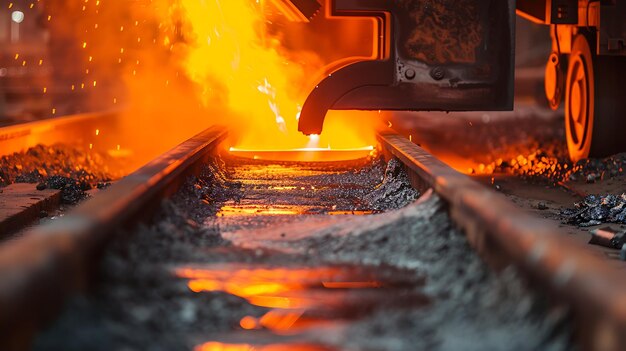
<point>305,154</point>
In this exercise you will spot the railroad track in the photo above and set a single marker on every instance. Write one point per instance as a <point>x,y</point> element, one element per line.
<point>48,264</point>
<point>77,128</point>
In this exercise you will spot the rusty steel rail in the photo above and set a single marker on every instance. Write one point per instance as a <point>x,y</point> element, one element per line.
<point>77,128</point>
<point>39,270</point>
<point>42,268</point>
<point>504,234</point>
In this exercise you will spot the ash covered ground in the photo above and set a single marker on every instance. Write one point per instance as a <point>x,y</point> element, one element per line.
<point>524,155</point>
<point>528,143</point>
<point>397,276</point>
<point>63,167</point>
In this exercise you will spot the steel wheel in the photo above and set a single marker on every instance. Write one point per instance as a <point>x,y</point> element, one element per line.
<point>594,107</point>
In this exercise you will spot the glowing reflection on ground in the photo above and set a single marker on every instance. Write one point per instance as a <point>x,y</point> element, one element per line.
<point>218,346</point>
<point>351,213</point>
<point>305,154</point>
<point>262,210</point>
<point>283,210</point>
<point>300,298</point>
<point>284,288</point>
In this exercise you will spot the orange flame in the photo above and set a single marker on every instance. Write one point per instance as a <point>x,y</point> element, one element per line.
<point>177,66</point>
<point>235,61</point>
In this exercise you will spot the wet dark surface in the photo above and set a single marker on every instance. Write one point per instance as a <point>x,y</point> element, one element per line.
<point>251,256</point>
<point>282,193</point>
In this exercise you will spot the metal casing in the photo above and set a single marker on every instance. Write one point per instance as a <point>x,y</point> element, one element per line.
<point>449,55</point>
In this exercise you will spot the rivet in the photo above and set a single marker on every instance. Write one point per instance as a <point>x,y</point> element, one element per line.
<point>437,73</point>
<point>409,74</point>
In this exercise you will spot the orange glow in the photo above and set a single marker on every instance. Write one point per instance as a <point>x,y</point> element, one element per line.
<point>199,285</point>
<point>218,346</point>
<point>284,187</point>
<point>248,323</point>
<point>531,163</point>
<point>174,67</point>
<point>297,298</point>
<point>305,149</point>
<point>236,62</point>
<point>282,274</point>
<point>350,213</point>
<point>281,302</point>
<point>280,320</point>
<point>238,210</point>
<point>309,154</point>
<point>280,288</point>
<point>279,210</point>
<point>351,285</point>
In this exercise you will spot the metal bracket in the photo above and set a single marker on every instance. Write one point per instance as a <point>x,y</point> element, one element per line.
<point>433,55</point>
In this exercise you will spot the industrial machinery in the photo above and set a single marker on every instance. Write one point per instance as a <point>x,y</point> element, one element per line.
<point>448,55</point>
<point>458,55</point>
<point>586,69</point>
